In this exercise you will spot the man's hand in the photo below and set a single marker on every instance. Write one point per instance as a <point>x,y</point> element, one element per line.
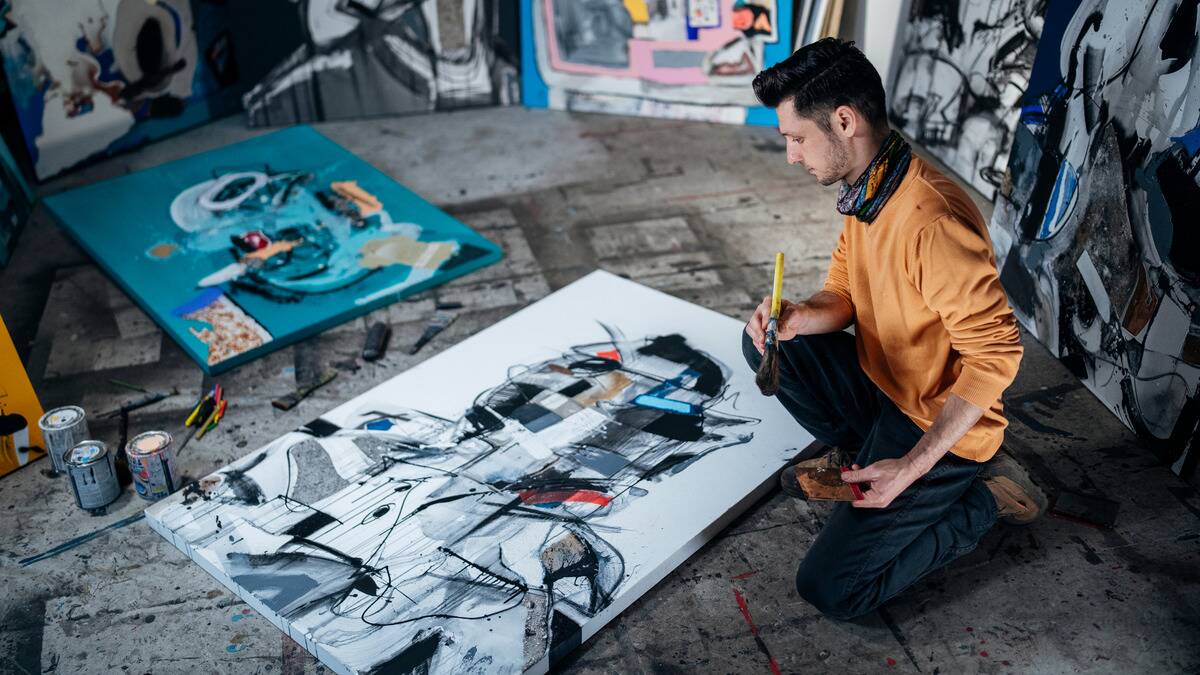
<point>887,478</point>
<point>788,326</point>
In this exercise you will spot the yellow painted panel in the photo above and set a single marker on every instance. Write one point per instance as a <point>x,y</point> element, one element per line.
<point>20,438</point>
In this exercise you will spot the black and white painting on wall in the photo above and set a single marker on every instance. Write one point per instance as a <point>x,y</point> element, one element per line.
<point>1096,228</point>
<point>494,522</point>
<point>365,58</point>
<point>963,66</point>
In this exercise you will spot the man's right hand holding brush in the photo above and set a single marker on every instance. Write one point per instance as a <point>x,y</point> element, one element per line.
<point>824,312</point>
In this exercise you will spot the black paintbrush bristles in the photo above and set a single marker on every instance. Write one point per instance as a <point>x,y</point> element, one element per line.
<point>767,378</point>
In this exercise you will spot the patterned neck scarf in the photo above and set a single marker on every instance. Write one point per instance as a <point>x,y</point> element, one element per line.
<point>870,192</point>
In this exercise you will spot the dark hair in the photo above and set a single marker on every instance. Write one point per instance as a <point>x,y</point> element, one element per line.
<point>821,76</point>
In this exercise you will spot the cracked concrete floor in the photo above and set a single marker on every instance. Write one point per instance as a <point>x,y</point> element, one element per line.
<point>693,209</point>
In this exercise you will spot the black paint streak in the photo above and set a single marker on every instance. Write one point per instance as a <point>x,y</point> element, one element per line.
<point>311,524</point>
<point>82,539</point>
<point>1089,553</point>
<point>675,348</point>
<point>503,579</point>
<point>320,428</point>
<point>415,657</point>
<point>899,635</point>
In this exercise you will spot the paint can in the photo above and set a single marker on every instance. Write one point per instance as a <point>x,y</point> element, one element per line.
<point>151,457</point>
<point>62,429</point>
<point>93,475</point>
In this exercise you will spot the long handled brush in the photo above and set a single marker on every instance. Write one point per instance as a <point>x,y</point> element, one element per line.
<point>768,371</point>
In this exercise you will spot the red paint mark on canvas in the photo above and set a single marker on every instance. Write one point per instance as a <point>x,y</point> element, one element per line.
<point>744,575</point>
<point>983,654</point>
<point>762,646</point>
<point>559,496</point>
<point>891,662</point>
<point>611,355</point>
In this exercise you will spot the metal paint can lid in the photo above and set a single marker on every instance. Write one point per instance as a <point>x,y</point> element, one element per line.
<point>61,418</point>
<point>87,452</point>
<point>148,443</point>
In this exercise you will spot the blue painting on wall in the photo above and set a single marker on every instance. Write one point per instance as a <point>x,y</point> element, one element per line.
<point>245,249</point>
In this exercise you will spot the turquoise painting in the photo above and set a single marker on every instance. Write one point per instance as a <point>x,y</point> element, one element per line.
<point>245,249</point>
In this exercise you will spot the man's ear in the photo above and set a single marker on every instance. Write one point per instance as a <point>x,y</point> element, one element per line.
<point>844,121</point>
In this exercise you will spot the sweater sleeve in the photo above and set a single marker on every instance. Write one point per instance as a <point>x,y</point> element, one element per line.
<point>837,280</point>
<point>953,267</point>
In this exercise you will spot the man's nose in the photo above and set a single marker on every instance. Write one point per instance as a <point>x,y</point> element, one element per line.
<point>794,157</point>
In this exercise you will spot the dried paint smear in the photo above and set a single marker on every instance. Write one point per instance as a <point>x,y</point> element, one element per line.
<point>402,250</point>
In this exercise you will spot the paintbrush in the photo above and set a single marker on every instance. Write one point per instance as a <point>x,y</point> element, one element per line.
<point>439,324</point>
<point>767,378</point>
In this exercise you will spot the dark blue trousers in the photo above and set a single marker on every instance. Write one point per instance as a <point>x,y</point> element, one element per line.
<point>863,557</point>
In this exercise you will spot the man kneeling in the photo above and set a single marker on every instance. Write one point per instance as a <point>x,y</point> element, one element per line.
<point>912,399</point>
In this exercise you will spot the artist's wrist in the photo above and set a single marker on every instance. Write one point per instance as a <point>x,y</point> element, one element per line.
<point>799,318</point>
<point>916,462</point>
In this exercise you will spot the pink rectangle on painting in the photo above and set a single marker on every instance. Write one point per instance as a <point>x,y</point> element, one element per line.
<point>641,53</point>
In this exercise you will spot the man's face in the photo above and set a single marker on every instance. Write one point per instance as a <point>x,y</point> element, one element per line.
<point>823,153</point>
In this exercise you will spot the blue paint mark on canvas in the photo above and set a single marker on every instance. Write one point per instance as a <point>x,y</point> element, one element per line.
<point>648,401</point>
<point>1061,198</point>
<point>379,425</point>
<point>1190,141</point>
<point>202,300</point>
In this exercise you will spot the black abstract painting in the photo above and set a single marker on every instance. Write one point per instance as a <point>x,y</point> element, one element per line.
<point>1095,226</point>
<point>964,65</point>
<point>396,540</point>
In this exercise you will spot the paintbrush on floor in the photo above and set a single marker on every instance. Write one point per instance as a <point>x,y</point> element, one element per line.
<point>767,378</point>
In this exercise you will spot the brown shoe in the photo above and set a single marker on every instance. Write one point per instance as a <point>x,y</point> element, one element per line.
<point>1018,500</point>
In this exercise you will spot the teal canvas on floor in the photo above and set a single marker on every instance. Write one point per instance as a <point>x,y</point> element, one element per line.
<point>242,250</point>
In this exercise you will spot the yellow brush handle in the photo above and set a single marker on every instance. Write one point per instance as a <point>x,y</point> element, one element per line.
<point>777,290</point>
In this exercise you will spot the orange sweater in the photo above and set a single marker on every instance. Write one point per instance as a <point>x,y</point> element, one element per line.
<point>930,315</point>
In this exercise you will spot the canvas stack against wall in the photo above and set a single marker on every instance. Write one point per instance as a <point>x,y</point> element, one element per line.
<point>385,57</point>
<point>689,59</point>
<point>92,77</point>
<point>963,67</point>
<point>1095,226</point>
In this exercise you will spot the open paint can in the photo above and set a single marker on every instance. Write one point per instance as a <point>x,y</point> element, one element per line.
<point>62,429</point>
<point>93,475</point>
<point>151,457</point>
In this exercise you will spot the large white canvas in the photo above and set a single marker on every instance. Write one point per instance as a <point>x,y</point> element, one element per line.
<point>477,548</point>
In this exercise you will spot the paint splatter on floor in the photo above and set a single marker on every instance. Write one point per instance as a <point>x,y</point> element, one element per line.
<point>762,646</point>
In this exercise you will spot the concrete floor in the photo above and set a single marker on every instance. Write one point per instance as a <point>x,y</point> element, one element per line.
<point>693,209</point>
